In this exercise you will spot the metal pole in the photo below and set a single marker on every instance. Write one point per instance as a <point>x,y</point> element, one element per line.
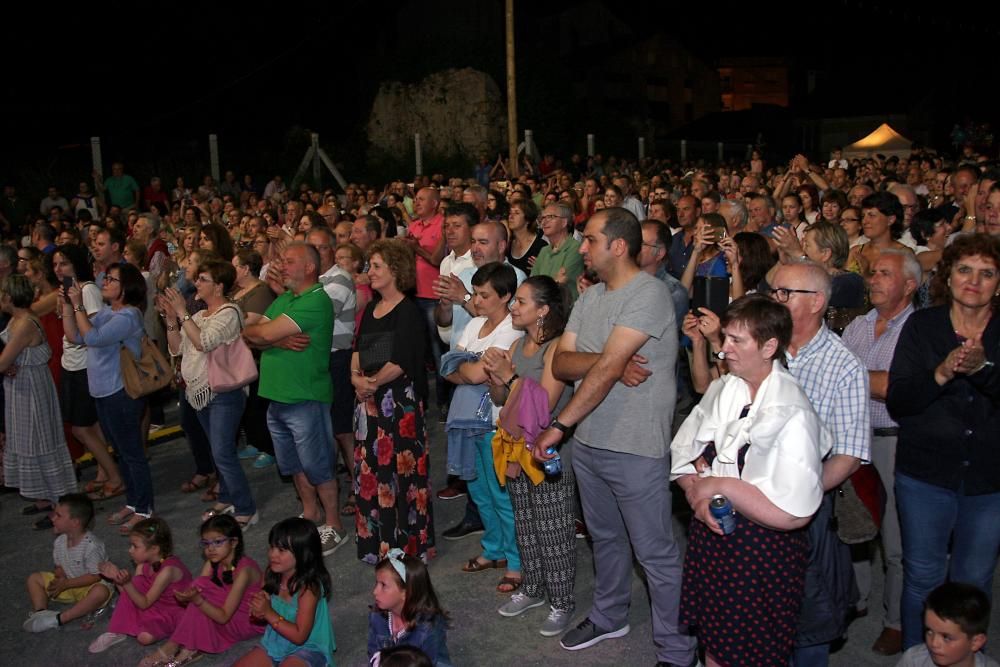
<point>417,153</point>
<point>684,150</point>
<point>333,168</point>
<point>642,148</point>
<point>512,165</point>
<point>721,158</point>
<point>213,152</point>
<point>590,145</point>
<point>315,151</point>
<point>95,155</point>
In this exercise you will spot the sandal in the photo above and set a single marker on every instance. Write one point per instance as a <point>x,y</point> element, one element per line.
<point>156,659</point>
<point>248,521</point>
<point>474,565</point>
<point>126,528</point>
<point>94,485</point>
<point>211,494</point>
<point>120,517</point>
<point>350,506</point>
<point>195,484</point>
<point>218,510</point>
<point>509,584</point>
<point>107,491</point>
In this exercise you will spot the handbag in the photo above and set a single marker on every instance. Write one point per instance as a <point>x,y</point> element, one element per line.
<point>149,373</point>
<point>231,366</point>
<point>375,350</point>
<point>856,506</point>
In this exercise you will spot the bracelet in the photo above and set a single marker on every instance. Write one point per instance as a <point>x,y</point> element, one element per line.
<point>986,364</point>
<point>171,328</point>
<point>185,318</point>
<point>278,622</point>
<point>79,309</point>
<point>511,380</point>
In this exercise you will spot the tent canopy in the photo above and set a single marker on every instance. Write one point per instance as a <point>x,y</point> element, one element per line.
<point>884,140</point>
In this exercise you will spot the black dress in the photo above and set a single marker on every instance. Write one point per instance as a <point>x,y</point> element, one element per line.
<point>741,592</point>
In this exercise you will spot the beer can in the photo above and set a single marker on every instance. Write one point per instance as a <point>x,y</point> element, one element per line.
<point>722,510</point>
<point>552,466</point>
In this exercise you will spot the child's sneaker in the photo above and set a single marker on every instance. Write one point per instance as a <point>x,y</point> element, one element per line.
<point>106,641</point>
<point>40,621</point>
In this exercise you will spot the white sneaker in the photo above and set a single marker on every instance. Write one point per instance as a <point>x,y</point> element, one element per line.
<point>555,623</point>
<point>519,603</point>
<point>331,539</point>
<point>106,641</point>
<point>40,621</point>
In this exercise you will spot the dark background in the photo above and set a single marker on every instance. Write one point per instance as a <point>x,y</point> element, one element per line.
<point>153,83</point>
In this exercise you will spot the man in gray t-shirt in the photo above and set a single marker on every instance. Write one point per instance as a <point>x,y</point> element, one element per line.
<point>620,347</point>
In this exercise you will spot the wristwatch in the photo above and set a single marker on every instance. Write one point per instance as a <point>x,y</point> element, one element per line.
<point>467,298</point>
<point>558,425</point>
<point>185,318</point>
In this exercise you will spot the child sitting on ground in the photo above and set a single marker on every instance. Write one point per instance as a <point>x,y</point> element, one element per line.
<point>407,611</point>
<point>956,617</point>
<point>147,608</point>
<point>77,554</point>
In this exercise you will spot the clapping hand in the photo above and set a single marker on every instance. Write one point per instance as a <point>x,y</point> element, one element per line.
<point>260,604</point>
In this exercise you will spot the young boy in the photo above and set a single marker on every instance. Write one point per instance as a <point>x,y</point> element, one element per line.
<point>956,617</point>
<point>76,553</point>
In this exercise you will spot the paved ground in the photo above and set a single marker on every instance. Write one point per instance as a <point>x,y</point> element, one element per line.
<point>479,636</point>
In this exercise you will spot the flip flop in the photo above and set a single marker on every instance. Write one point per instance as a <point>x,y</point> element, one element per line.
<point>475,566</point>
<point>120,517</point>
<point>194,484</point>
<point>350,506</point>
<point>126,528</point>
<point>509,584</point>
<point>217,511</point>
<point>107,491</point>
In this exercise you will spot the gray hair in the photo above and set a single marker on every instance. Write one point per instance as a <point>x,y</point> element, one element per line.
<point>739,210</point>
<point>897,187</point>
<point>312,255</point>
<point>817,275</point>
<point>911,267</point>
<point>562,210</point>
<point>154,223</point>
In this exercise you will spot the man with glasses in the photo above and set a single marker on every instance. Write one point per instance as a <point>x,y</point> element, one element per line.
<point>653,260</point>
<point>836,383</point>
<point>908,199</point>
<point>561,259</point>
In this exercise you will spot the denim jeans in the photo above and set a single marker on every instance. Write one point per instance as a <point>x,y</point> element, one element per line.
<point>120,417</point>
<point>201,450</point>
<point>303,439</point>
<point>220,420</point>
<point>811,656</point>
<point>928,516</point>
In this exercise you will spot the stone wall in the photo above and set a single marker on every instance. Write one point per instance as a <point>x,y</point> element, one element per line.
<point>458,113</point>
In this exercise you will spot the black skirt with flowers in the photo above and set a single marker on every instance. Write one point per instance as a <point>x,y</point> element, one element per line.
<point>392,485</point>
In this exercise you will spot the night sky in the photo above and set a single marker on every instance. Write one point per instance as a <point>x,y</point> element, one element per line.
<point>154,84</point>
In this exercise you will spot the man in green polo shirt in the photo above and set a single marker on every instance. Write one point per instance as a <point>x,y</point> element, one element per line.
<point>122,190</point>
<point>295,333</point>
<point>560,259</point>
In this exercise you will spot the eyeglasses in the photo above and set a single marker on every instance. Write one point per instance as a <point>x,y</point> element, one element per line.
<point>782,294</point>
<point>549,217</point>
<point>203,279</point>
<point>214,543</point>
<point>111,279</point>
<point>654,246</point>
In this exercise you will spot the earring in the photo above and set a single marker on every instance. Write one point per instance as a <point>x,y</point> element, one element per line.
<point>540,322</point>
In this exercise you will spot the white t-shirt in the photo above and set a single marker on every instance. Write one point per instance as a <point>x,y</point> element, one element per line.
<point>502,337</point>
<point>74,357</point>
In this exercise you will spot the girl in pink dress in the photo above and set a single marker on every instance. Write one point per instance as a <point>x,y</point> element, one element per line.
<point>218,603</point>
<point>147,608</point>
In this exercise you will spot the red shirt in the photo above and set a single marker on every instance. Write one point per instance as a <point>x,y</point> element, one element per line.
<point>428,234</point>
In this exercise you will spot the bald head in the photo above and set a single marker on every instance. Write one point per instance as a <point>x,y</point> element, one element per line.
<point>807,287</point>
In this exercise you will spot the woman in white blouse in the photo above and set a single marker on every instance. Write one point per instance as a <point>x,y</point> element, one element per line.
<point>755,439</point>
<point>192,338</point>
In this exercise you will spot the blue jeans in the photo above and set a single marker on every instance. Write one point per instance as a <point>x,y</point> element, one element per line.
<point>494,506</point>
<point>928,516</point>
<point>303,439</point>
<point>220,419</point>
<point>120,417</point>
<point>811,656</point>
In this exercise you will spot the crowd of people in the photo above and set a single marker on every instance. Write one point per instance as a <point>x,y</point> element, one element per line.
<point>807,350</point>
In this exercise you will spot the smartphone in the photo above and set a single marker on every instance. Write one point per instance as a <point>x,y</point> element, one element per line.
<point>67,283</point>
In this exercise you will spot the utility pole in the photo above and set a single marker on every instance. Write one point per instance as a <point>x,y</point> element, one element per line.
<point>512,163</point>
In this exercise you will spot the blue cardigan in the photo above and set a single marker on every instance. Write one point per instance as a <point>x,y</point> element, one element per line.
<point>428,635</point>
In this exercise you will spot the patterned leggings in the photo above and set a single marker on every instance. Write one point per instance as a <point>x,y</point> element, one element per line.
<point>543,522</point>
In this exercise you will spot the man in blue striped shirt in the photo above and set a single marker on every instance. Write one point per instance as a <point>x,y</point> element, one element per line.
<point>836,383</point>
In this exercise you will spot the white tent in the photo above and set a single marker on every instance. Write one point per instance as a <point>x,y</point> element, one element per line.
<point>884,140</point>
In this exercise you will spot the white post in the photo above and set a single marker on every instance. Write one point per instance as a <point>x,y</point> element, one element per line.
<point>315,149</point>
<point>213,152</point>
<point>528,144</point>
<point>333,168</point>
<point>642,148</point>
<point>95,155</point>
<point>720,152</point>
<point>417,153</point>
<point>590,145</point>
<point>684,150</point>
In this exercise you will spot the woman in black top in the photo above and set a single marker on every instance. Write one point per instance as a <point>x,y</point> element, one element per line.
<point>525,243</point>
<point>944,392</point>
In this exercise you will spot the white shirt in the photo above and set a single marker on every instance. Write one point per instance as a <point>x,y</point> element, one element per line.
<point>74,357</point>
<point>502,337</point>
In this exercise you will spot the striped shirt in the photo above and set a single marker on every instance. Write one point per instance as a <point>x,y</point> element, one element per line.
<point>836,383</point>
<point>339,286</point>
<point>876,354</point>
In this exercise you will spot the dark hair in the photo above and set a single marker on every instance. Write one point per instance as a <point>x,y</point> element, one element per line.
<point>964,245</point>
<point>836,196</point>
<point>222,243</point>
<point>227,526</point>
<point>315,219</point>
<point>755,257</point>
<point>620,223</point>
<point>223,273</point>
<point>545,291</point>
<point>764,318</point>
<point>499,275</point>
<point>387,219</point>
<point>154,531</point>
<point>252,260</point>
<point>76,255</point>
<point>813,193</point>
<point>45,231</point>
<point>80,508</point>
<point>888,205</point>
<point>421,601</point>
<point>963,604</point>
<point>115,237</point>
<point>372,225</point>
<point>300,537</point>
<point>400,259</point>
<point>798,200</point>
<point>133,285</point>
<point>403,655</point>
<point>19,289</point>
<point>463,210</point>
<point>922,227</point>
<point>529,209</point>
<point>502,207</point>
